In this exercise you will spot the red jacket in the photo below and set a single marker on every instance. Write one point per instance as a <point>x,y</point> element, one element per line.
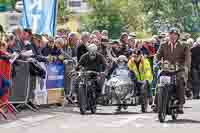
<point>5,71</point>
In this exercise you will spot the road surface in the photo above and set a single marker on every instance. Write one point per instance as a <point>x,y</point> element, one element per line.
<point>57,120</point>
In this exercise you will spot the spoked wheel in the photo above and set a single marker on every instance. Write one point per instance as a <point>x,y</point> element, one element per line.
<point>93,106</point>
<point>162,103</point>
<point>82,97</point>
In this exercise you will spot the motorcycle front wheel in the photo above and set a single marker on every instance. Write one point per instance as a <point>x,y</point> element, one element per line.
<point>82,100</point>
<point>92,101</point>
<point>162,103</point>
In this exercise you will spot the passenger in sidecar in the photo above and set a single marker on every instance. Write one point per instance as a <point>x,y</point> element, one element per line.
<point>121,64</point>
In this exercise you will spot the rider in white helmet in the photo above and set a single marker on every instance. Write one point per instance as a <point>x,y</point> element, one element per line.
<point>93,60</point>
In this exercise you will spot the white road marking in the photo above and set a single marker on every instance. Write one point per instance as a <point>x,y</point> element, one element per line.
<point>26,121</point>
<point>12,124</point>
<point>126,121</point>
<point>32,119</point>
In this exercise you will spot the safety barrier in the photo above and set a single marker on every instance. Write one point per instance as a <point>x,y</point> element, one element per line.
<point>28,89</point>
<point>6,107</point>
<point>20,92</point>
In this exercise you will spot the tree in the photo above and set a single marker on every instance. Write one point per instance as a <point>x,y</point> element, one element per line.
<point>140,15</point>
<point>63,12</point>
<point>115,16</point>
<point>177,12</point>
<point>105,16</point>
<point>133,15</point>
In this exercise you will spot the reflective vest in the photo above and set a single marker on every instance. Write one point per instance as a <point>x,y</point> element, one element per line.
<point>144,72</point>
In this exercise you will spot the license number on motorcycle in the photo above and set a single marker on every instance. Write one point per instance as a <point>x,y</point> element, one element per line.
<point>165,80</point>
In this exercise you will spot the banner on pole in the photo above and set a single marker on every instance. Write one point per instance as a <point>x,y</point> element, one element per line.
<point>40,16</point>
<point>41,90</point>
<point>55,78</point>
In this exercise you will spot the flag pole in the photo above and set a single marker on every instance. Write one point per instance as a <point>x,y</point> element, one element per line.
<point>55,29</point>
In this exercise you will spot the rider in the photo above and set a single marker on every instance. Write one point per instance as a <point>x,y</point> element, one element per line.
<point>122,61</point>
<point>175,51</point>
<point>93,61</point>
<point>140,67</point>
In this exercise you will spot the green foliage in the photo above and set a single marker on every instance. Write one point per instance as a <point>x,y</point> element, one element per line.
<point>63,13</point>
<point>3,1</point>
<point>143,35</point>
<point>139,15</point>
<point>178,13</point>
<point>106,15</point>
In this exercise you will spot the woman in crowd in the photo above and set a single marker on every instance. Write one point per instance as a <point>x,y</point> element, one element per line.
<point>195,69</point>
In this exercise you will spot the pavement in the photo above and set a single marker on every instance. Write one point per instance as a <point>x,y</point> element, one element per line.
<point>68,120</point>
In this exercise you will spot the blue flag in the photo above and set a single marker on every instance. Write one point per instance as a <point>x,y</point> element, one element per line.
<point>40,16</point>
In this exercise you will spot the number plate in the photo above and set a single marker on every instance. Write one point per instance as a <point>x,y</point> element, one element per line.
<point>165,79</point>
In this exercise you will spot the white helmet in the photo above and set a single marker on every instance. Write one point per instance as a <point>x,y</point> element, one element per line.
<point>92,48</point>
<point>198,40</point>
<point>122,58</point>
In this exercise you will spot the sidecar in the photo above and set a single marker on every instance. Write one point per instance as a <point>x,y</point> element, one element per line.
<point>120,90</point>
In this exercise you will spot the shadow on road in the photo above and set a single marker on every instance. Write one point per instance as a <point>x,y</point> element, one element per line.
<point>118,113</point>
<point>183,121</point>
<point>187,107</point>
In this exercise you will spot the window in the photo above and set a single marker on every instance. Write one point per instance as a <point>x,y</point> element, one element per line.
<point>75,3</point>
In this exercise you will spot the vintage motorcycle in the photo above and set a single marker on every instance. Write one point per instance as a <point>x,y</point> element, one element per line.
<point>166,91</point>
<point>87,91</point>
<point>121,91</point>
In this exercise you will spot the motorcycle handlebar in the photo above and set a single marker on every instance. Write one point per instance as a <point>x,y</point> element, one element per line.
<point>90,72</point>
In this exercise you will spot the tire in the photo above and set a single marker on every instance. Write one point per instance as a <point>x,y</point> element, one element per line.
<point>144,101</point>
<point>82,100</point>
<point>93,106</point>
<point>162,103</point>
